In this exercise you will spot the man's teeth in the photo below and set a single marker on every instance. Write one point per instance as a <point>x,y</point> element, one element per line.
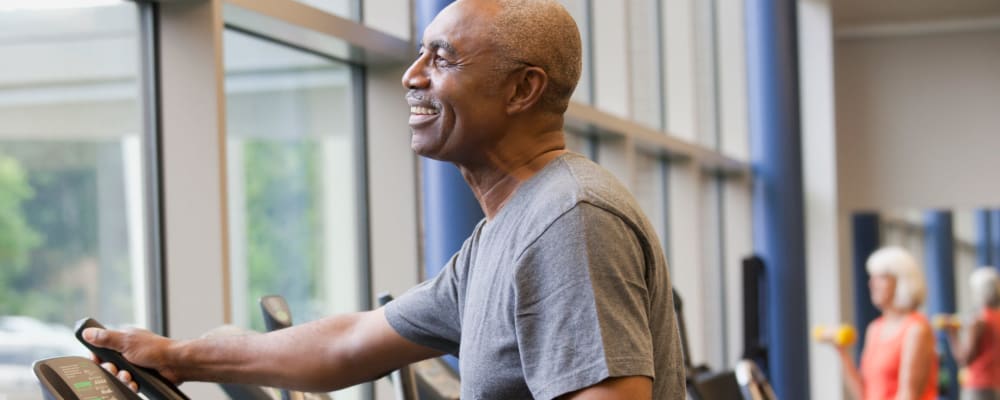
<point>422,111</point>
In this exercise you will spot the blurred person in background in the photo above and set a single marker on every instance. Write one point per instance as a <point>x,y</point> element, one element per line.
<point>979,349</point>
<point>898,361</point>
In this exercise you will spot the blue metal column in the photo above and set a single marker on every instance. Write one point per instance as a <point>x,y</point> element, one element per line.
<point>866,240</point>
<point>940,255</point>
<point>994,238</point>
<point>984,254</point>
<point>772,64</point>
<point>450,211</point>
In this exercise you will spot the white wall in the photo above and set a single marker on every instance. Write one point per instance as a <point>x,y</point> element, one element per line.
<point>917,120</point>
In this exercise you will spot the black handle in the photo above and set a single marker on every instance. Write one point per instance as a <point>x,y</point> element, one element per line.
<point>384,298</point>
<point>277,315</point>
<point>151,383</point>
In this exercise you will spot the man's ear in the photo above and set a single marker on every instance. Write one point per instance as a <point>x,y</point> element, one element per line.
<point>529,84</point>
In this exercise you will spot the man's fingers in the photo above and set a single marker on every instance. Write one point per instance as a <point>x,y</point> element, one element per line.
<point>102,337</point>
<point>110,368</point>
<point>126,378</point>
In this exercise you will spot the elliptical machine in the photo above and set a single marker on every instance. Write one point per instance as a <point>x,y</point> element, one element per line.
<point>745,381</point>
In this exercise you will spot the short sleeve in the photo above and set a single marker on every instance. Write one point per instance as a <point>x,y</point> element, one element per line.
<point>428,314</point>
<point>583,304</point>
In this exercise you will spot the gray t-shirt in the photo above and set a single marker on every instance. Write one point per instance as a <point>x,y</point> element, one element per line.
<point>565,287</point>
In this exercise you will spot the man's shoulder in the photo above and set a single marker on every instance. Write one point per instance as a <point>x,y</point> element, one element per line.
<point>573,185</point>
<point>574,179</point>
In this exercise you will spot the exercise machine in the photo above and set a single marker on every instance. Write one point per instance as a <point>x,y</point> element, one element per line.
<point>277,315</point>
<point>744,382</point>
<point>74,378</point>
<point>431,379</point>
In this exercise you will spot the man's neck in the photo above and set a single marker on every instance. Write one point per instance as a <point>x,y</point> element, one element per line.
<point>495,181</point>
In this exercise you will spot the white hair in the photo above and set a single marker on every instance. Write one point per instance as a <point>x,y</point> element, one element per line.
<point>984,283</point>
<point>898,263</point>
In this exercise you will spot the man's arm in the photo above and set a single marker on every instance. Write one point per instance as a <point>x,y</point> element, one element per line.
<point>323,355</point>
<point>623,388</point>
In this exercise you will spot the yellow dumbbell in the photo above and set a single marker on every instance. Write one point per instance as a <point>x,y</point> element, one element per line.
<point>963,376</point>
<point>843,335</point>
<point>946,321</point>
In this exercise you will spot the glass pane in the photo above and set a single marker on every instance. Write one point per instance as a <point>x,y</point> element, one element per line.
<point>680,69</point>
<point>579,143</point>
<point>580,10</point>
<point>707,74</point>
<point>343,8</point>
<point>644,48</point>
<point>651,192</point>
<point>72,228</point>
<point>292,176</point>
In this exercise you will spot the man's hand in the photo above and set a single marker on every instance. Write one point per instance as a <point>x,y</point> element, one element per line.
<point>138,346</point>
<point>122,375</point>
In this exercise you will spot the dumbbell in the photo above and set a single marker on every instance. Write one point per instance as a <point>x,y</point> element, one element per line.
<point>946,321</point>
<point>843,335</point>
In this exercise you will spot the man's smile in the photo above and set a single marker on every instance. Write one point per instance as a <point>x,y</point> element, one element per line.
<point>420,115</point>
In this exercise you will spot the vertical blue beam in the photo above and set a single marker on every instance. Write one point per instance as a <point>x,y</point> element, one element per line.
<point>772,68</point>
<point>995,238</point>
<point>984,254</point>
<point>866,240</point>
<point>450,211</point>
<point>940,255</point>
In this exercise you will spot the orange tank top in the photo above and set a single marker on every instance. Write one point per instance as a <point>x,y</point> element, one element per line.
<point>882,356</point>
<point>984,370</point>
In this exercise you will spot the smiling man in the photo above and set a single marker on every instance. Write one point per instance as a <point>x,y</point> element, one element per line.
<point>560,292</point>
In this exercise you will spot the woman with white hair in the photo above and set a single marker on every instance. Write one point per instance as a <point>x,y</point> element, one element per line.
<point>898,361</point>
<point>979,350</point>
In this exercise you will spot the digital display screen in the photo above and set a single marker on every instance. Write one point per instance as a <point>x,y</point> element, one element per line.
<point>88,381</point>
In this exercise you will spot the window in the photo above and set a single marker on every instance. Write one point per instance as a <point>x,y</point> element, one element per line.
<point>72,207</point>
<point>343,8</point>
<point>293,148</point>
<point>581,143</point>
<point>646,74</point>
<point>580,10</point>
<point>651,192</point>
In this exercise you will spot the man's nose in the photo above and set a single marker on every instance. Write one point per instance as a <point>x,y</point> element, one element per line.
<point>415,77</point>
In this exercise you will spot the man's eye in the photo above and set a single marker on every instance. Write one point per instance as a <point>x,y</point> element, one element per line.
<point>442,62</point>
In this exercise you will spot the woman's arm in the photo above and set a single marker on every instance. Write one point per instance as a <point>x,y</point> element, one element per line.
<point>854,383</point>
<point>915,366</point>
<point>967,349</point>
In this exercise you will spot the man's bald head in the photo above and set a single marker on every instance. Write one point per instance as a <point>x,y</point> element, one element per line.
<point>541,33</point>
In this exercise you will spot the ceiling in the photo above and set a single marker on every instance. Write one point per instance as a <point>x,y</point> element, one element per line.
<point>865,12</point>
